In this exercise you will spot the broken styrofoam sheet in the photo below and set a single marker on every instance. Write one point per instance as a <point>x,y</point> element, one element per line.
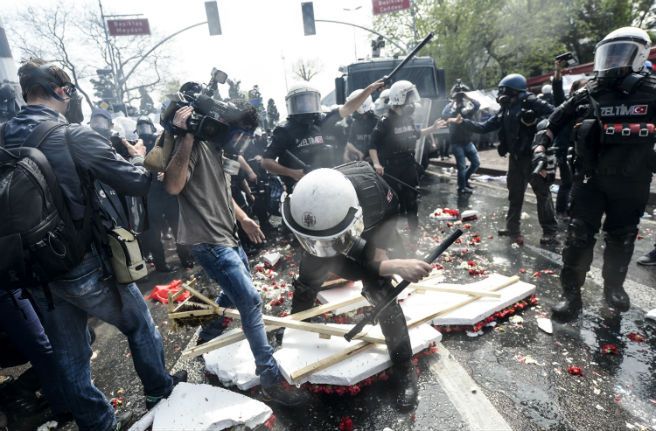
<point>204,407</point>
<point>302,348</point>
<point>350,290</point>
<point>233,365</point>
<point>421,304</point>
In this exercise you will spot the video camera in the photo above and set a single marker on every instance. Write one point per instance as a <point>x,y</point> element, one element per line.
<point>567,59</point>
<point>459,89</point>
<point>225,124</point>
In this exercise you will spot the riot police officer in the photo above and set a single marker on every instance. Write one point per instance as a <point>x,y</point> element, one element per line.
<point>359,135</point>
<point>344,220</point>
<point>382,103</point>
<point>393,142</point>
<point>517,124</point>
<point>614,163</point>
<point>301,138</point>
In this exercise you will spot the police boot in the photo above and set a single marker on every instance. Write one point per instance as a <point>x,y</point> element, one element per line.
<point>617,257</point>
<point>617,298</point>
<point>569,308</point>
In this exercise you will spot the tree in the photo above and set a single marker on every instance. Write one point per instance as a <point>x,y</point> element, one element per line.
<point>482,40</point>
<point>77,41</point>
<point>306,69</point>
<point>273,116</point>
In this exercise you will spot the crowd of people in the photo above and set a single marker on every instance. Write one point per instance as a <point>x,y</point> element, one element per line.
<point>338,179</point>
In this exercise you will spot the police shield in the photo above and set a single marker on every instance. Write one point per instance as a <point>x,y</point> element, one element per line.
<point>421,117</point>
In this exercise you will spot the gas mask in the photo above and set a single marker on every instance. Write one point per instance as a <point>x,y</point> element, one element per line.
<point>505,96</point>
<point>409,108</point>
<point>74,109</point>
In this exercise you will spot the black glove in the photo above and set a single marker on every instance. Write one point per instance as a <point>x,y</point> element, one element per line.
<point>502,150</point>
<point>541,138</point>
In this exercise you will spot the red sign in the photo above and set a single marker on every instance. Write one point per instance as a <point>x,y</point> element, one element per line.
<point>128,27</point>
<point>387,6</point>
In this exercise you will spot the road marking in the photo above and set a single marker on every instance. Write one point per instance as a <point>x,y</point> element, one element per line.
<point>466,396</point>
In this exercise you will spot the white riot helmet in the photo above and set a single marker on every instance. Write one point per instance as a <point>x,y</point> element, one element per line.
<point>303,99</point>
<point>324,213</point>
<point>547,89</point>
<point>381,104</point>
<point>621,52</point>
<point>366,106</point>
<point>403,93</point>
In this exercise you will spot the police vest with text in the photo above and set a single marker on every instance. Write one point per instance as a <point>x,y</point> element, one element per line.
<point>617,134</point>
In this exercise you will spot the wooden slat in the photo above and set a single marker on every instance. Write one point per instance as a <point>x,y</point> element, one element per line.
<point>362,346</point>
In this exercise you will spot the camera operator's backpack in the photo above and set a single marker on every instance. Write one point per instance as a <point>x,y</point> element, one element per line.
<point>39,240</point>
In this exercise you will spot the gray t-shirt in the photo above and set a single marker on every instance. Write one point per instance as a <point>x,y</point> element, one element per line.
<point>206,212</point>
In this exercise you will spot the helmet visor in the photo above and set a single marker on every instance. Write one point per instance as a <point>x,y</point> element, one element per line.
<point>615,56</point>
<point>98,122</point>
<point>332,246</point>
<point>304,103</point>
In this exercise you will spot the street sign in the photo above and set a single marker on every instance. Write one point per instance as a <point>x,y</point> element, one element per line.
<point>387,6</point>
<point>128,27</point>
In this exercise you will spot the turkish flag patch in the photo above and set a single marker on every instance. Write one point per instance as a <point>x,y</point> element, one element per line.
<point>638,110</point>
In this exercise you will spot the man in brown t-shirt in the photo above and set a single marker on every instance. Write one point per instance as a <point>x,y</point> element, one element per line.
<point>208,218</point>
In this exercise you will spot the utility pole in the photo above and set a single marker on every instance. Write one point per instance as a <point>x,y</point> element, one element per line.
<point>110,52</point>
<point>413,13</point>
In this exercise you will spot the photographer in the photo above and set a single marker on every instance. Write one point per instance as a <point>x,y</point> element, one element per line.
<point>77,155</point>
<point>462,146</point>
<point>208,215</point>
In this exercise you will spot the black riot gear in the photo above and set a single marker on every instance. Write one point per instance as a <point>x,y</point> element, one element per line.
<point>613,165</point>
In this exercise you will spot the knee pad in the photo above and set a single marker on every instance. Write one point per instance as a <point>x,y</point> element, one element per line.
<point>624,236</point>
<point>579,234</point>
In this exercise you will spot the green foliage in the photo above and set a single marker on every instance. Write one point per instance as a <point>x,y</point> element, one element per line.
<point>480,41</point>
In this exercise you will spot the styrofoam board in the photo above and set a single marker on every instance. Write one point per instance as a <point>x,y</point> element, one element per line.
<point>202,407</point>
<point>342,293</point>
<point>233,365</point>
<point>301,348</point>
<point>420,303</point>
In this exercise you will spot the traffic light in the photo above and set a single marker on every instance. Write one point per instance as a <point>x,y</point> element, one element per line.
<point>212,13</point>
<point>308,18</point>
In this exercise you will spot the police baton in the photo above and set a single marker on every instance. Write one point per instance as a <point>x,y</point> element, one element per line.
<point>306,168</point>
<point>391,297</point>
<point>388,78</point>
<point>415,189</point>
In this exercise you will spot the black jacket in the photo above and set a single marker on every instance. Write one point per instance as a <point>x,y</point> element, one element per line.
<point>86,150</point>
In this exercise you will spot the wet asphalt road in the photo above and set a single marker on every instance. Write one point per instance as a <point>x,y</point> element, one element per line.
<point>522,371</point>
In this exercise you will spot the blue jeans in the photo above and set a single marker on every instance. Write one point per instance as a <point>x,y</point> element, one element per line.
<point>228,266</point>
<point>462,153</point>
<point>19,320</point>
<point>78,295</point>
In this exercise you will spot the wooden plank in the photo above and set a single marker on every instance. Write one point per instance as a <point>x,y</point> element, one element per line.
<point>362,346</point>
<point>419,287</point>
<point>238,336</point>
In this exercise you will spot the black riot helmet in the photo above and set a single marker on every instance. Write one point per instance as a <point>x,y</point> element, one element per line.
<point>510,86</point>
<point>145,126</point>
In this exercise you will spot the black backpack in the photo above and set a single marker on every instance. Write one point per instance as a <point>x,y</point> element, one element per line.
<point>39,241</point>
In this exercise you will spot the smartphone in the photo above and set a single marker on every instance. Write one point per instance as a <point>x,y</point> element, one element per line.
<point>567,59</point>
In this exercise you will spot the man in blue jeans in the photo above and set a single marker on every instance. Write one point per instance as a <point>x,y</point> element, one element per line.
<point>462,146</point>
<point>76,153</point>
<point>208,216</point>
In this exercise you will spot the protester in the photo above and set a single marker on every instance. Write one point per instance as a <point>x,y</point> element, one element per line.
<point>208,218</point>
<point>461,144</point>
<point>77,154</point>
<point>614,165</point>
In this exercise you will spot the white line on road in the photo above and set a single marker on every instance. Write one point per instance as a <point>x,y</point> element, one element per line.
<point>466,396</point>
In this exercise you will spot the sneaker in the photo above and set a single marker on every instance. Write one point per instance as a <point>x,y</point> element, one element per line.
<point>123,421</point>
<point>648,260</point>
<point>151,401</point>
<point>284,394</point>
<point>470,186</point>
<point>465,191</point>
